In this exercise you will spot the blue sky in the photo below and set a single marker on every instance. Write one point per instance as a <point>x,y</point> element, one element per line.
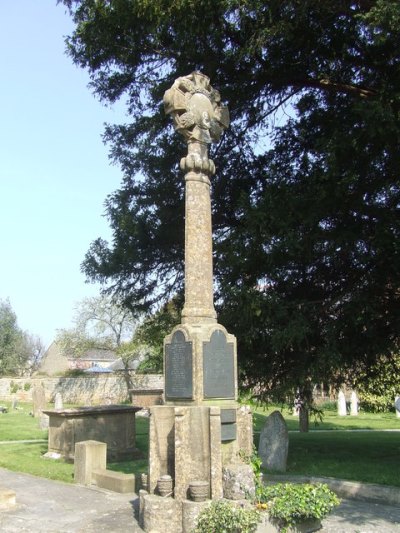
<point>54,168</point>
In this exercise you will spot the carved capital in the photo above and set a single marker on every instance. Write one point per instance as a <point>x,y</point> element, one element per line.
<point>196,109</point>
<point>193,162</point>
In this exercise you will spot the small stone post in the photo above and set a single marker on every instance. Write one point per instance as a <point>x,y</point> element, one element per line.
<point>354,404</point>
<point>397,406</point>
<point>342,411</point>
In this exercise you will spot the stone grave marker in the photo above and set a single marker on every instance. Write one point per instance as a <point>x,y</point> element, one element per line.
<point>341,404</point>
<point>354,404</point>
<point>38,399</point>
<point>58,401</point>
<point>274,443</point>
<point>397,406</point>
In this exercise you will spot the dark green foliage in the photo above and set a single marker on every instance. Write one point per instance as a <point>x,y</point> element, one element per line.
<point>15,347</point>
<point>305,204</point>
<point>378,386</point>
<point>290,504</point>
<point>228,517</point>
<point>153,330</point>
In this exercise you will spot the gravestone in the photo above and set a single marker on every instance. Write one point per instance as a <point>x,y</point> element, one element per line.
<point>38,399</point>
<point>274,443</point>
<point>397,406</point>
<point>341,404</point>
<point>354,404</point>
<point>14,402</point>
<point>58,401</point>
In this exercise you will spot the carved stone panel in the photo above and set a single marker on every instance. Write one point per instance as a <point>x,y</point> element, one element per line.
<point>178,368</point>
<point>218,367</point>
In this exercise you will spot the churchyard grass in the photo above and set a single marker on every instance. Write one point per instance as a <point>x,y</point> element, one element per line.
<point>17,424</point>
<point>360,456</point>
<point>28,456</point>
<point>370,457</point>
<point>330,451</point>
<point>330,420</point>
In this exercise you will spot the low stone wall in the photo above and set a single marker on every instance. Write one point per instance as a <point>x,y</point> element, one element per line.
<point>87,390</point>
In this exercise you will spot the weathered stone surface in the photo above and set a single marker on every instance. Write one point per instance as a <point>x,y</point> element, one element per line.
<point>397,406</point>
<point>161,515</point>
<point>58,401</point>
<point>190,512</point>
<point>238,481</point>
<point>112,424</point>
<point>115,481</point>
<point>89,455</point>
<point>354,404</point>
<point>274,443</point>
<point>341,404</point>
<point>38,399</point>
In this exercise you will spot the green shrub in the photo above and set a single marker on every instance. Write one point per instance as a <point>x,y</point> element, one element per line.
<point>27,386</point>
<point>221,516</point>
<point>13,387</point>
<point>291,503</point>
<point>372,403</point>
<point>328,405</point>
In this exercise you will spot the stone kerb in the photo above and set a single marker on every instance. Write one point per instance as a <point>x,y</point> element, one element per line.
<point>90,468</point>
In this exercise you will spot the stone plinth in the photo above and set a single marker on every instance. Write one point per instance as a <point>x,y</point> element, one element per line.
<point>187,444</point>
<point>161,515</point>
<point>112,424</point>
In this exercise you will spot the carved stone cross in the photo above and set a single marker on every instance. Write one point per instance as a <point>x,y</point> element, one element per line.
<point>199,116</point>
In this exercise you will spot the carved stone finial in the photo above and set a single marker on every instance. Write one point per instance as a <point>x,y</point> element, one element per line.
<point>196,109</point>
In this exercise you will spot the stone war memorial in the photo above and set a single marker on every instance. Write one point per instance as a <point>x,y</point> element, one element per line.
<point>198,436</point>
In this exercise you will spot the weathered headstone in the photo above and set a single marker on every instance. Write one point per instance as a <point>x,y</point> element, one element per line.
<point>341,404</point>
<point>14,402</point>
<point>354,404</point>
<point>58,401</point>
<point>274,443</point>
<point>397,406</point>
<point>38,399</point>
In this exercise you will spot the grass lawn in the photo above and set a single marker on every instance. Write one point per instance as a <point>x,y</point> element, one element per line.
<point>371,457</point>
<point>330,420</point>
<point>359,456</point>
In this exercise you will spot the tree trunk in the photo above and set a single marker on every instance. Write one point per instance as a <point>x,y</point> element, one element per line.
<point>303,419</point>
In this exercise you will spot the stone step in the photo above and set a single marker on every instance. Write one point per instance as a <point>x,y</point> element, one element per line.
<point>115,481</point>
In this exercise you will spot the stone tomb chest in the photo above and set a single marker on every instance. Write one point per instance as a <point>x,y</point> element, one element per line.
<point>112,424</point>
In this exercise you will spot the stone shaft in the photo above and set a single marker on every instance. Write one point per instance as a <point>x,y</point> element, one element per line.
<point>199,295</point>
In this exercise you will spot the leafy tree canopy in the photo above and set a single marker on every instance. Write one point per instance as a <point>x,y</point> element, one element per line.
<point>20,352</point>
<point>306,196</point>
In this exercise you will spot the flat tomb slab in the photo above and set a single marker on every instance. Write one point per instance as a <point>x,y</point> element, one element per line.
<point>112,424</point>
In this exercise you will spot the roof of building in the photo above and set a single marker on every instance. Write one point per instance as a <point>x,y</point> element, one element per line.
<point>98,354</point>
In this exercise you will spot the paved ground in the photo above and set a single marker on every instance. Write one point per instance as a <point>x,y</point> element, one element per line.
<point>45,506</point>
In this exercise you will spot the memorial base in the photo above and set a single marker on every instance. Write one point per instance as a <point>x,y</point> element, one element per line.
<point>185,443</point>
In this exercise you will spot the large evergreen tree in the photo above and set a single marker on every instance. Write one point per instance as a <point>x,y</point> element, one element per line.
<point>306,196</point>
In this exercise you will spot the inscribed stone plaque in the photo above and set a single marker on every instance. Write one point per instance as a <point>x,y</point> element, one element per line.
<point>228,432</point>
<point>178,367</point>
<point>218,367</point>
